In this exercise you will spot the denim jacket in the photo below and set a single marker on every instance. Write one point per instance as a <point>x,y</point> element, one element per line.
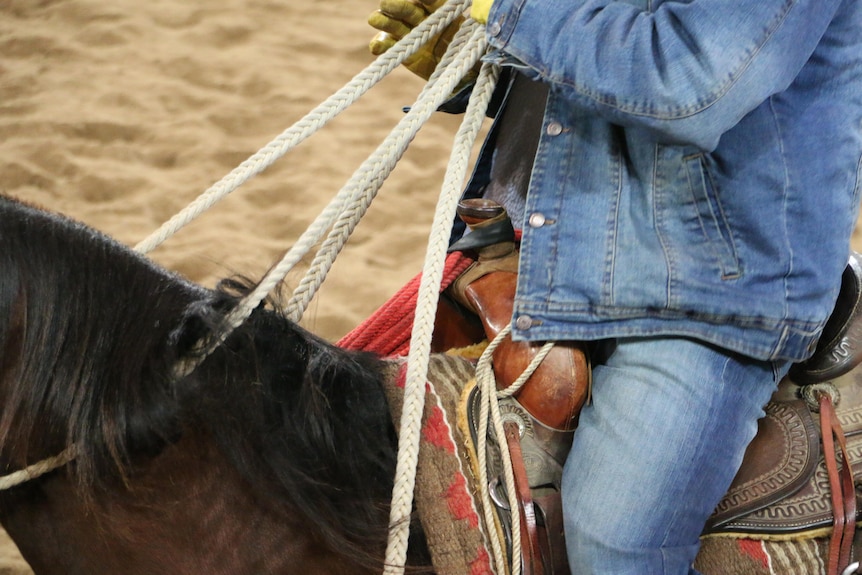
<point>698,173</point>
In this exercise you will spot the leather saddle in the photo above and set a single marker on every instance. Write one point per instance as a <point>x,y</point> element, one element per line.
<point>540,419</point>
<point>789,482</point>
<point>783,487</point>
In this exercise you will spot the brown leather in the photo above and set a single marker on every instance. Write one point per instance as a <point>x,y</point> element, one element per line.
<point>778,490</point>
<point>454,327</point>
<point>531,554</point>
<point>549,517</point>
<point>547,404</point>
<point>557,390</point>
<point>480,212</point>
<point>779,461</point>
<point>841,486</point>
<point>542,454</point>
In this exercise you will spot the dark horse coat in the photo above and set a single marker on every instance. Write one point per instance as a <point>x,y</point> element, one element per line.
<point>275,456</point>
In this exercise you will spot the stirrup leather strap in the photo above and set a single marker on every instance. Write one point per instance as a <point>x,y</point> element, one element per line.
<point>531,554</point>
<point>842,488</point>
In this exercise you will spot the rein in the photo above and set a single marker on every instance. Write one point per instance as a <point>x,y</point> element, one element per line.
<point>38,469</point>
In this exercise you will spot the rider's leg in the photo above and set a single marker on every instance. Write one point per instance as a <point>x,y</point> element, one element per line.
<point>656,450</point>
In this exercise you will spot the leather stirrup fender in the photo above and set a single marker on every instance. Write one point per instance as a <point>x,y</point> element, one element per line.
<point>841,486</point>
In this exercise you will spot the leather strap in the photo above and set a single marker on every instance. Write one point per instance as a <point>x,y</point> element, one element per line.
<point>842,488</point>
<point>531,553</point>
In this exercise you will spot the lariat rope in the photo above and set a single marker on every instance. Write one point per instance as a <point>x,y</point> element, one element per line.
<point>426,306</point>
<point>466,48</point>
<point>39,468</point>
<point>490,408</point>
<point>468,45</point>
<point>462,54</point>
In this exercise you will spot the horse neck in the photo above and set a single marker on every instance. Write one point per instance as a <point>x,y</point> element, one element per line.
<point>186,512</point>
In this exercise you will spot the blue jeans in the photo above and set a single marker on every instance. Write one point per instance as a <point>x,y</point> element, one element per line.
<point>655,451</point>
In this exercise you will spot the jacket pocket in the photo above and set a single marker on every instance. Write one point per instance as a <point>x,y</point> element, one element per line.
<point>711,216</point>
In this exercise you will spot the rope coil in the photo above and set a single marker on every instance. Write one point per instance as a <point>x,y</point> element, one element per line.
<point>490,410</point>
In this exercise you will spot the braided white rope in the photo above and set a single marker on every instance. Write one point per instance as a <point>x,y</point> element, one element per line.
<point>309,124</point>
<point>490,408</point>
<point>352,201</point>
<point>423,325</point>
<point>361,190</point>
<point>37,469</point>
<point>462,54</point>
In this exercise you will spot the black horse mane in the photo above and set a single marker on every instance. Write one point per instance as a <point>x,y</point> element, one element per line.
<point>90,333</point>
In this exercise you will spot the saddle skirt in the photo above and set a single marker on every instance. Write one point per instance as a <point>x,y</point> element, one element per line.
<point>782,488</point>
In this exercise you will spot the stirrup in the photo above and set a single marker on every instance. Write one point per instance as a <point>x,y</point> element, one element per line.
<point>840,347</point>
<point>543,452</point>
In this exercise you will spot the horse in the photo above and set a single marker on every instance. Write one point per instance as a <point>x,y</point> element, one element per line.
<point>275,455</point>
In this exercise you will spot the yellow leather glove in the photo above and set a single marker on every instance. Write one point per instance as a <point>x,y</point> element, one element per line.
<point>396,18</point>
<point>480,9</point>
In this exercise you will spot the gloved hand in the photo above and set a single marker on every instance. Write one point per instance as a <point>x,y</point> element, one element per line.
<point>396,18</point>
<point>480,9</point>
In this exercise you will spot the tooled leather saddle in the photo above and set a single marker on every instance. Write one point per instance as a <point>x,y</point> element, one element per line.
<point>795,475</point>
